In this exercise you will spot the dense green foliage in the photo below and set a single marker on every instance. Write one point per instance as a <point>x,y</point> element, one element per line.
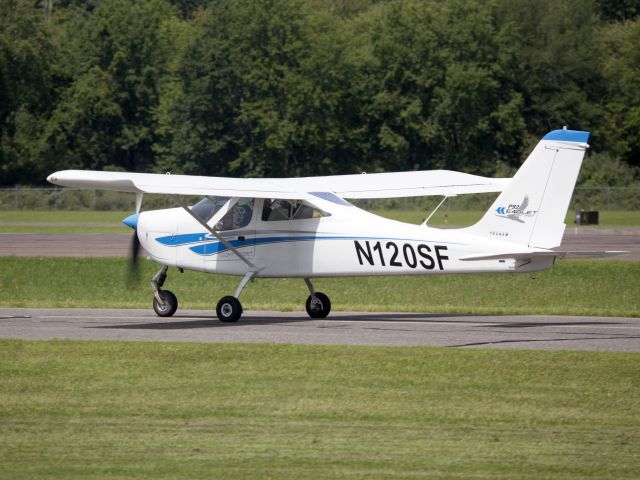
<point>290,87</point>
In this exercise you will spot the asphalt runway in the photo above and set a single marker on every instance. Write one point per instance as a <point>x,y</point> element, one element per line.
<point>118,245</point>
<point>342,328</point>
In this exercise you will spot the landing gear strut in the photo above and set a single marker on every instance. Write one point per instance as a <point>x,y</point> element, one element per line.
<point>229,309</point>
<point>165,302</point>
<point>318,304</point>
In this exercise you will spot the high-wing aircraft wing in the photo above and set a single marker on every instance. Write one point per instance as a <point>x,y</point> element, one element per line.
<point>174,184</point>
<point>405,184</point>
<point>375,185</point>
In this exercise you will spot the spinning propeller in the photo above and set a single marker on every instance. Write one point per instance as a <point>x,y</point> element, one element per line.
<point>134,250</point>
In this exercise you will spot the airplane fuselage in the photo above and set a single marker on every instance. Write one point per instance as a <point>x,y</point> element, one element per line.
<point>347,242</point>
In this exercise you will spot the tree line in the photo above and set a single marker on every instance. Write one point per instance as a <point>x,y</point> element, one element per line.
<point>314,87</point>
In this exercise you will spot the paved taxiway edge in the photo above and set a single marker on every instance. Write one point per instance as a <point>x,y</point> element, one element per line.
<point>342,328</point>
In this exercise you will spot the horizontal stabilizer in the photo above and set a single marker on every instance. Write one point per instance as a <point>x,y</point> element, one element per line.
<point>541,254</point>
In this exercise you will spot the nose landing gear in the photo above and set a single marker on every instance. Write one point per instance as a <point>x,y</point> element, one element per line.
<point>229,309</point>
<point>168,306</point>
<point>165,302</point>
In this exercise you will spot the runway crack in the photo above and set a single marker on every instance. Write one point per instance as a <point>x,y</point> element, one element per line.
<point>533,340</point>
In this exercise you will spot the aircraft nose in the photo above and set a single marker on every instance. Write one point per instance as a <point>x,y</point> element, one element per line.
<point>131,221</point>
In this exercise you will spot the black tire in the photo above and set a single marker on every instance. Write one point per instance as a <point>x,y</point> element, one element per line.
<point>319,309</point>
<point>170,304</point>
<point>229,309</point>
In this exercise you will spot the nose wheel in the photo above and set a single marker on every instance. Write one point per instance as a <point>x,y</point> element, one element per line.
<point>168,306</point>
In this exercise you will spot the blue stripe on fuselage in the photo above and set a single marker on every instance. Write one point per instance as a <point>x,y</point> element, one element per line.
<point>183,239</point>
<point>215,247</point>
<point>218,247</point>
<point>211,246</point>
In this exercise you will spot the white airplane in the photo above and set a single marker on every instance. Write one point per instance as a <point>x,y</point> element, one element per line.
<point>304,227</point>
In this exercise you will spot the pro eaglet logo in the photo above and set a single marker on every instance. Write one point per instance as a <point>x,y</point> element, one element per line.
<point>516,211</point>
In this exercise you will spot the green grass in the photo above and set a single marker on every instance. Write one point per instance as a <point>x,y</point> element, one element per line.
<point>578,287</point>
<point>63,221</point>
<point>62,216</point>
<point>84,221</point>
<point>133,410</point>
<point>62,229</point>
<point>614,218</point>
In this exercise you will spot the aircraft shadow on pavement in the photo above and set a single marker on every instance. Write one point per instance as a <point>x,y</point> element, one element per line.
<point>185,322</point>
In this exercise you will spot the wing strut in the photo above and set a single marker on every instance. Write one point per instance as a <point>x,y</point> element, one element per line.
<point>139,201</point>
<point>436,209</point>
<point>223,210</point>
<point>227,244</point>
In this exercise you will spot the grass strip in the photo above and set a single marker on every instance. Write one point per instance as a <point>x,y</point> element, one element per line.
<point>63,216</point>
<point>572,287</point>
<point>57,221</point>
<point>84,221</point>
<point>114,410</point>
<point>62,229</point>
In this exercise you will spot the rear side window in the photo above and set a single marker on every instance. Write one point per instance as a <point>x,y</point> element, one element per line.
<point>276,209</point>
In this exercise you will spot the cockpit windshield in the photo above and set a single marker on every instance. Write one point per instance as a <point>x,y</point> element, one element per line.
<point>238,216</point>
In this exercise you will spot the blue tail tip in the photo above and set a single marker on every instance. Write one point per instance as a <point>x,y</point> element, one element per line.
<point>568,136</point>
<point>131,221</point>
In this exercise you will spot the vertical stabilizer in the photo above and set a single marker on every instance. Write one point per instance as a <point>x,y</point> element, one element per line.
<point>532,209</point>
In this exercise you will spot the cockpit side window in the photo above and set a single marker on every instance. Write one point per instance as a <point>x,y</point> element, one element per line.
<point>238,217</point>
<point>280,210</point>
<point>208,206</point>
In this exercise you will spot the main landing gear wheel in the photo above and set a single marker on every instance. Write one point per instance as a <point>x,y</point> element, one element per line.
<point>318,307</point>
<point>169,306</point>
<point>229,309</point>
